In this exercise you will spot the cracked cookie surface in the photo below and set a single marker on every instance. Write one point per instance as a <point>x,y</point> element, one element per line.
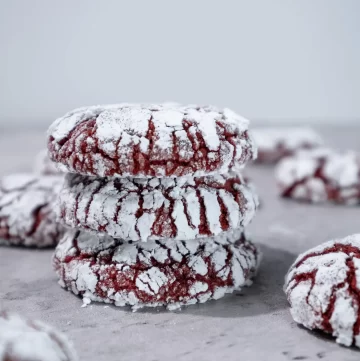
<point>166,140</point>
<point>321,175</point>
<point>24,340</point>
<point>275,143</point>
<point>151,208</point>
<point>323,288</point>
<point>156,273</point>
<point>27,214</point>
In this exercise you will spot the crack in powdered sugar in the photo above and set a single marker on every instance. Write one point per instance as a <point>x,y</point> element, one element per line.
<point>144,209</point>
<point>150,140</point>
<point>163,272</point>
<point>323,289</point>
<point>27,210</point>
<point>321,175</point>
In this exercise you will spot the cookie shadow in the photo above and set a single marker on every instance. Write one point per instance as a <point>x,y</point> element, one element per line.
<point>326,338</point>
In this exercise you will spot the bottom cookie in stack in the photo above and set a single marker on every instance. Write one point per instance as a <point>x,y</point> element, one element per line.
<point>169,273</point>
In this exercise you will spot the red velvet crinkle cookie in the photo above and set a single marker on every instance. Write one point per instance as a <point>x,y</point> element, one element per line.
<point>321,175</point>
<point>323,288</point>
<point>152,208</point>
<point>27,214</point>
<point>275,143</point>
<point>27,340</point>
<point>156,273</point>
<point>135,140</point>
<point>44,165</point>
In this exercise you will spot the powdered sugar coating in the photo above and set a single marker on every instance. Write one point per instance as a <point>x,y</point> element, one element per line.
<point>152,208</point>
<point>27,214</point>
<point>150,140</point>
<point>44,165</point>
<point>157,273</point>
<point>25,340</point>
<point>275,143</point>
<point>323,288</point>
<point>321,175</point>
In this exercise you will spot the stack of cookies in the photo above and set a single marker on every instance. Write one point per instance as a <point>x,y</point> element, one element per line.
<point>154,202</point>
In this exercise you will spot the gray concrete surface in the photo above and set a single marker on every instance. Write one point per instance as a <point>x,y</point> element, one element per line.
<point>254,324</point>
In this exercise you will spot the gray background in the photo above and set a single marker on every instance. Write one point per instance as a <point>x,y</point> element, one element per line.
<point>277,60</point>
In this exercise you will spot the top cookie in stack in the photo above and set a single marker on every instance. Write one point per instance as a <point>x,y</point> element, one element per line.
<point>154,173</point>
<point>150,141</point>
